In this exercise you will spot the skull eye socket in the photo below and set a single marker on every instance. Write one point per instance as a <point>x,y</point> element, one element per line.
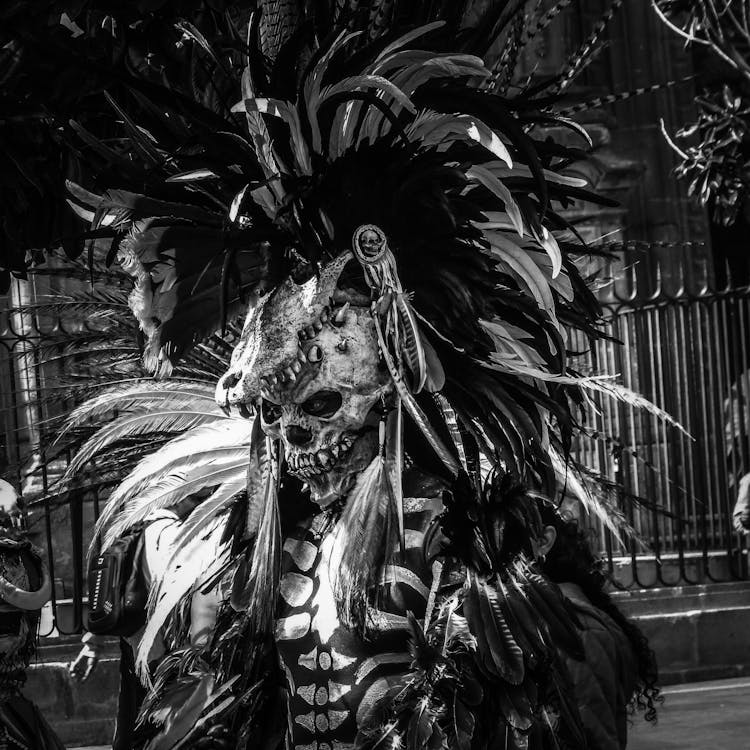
<point>269,411</point>
<point>10,623</point>
<point>322,404</point>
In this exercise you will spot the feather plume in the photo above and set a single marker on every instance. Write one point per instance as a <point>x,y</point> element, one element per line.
<point>228,476</point>
<point>196,562</point>
<point>363,538</point>
<point>142,395</point>
<point>169,420</point>
<point>265,558</point>
<point>584,54</point>
<point>414,410</point>
<point>199,446</point>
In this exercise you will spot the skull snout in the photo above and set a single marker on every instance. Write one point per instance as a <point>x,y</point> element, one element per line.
<point>297,435</point>
<point>231,392</point>
<point>230,380</point>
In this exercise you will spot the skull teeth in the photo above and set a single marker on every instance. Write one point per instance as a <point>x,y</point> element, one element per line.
<point>307,465</point>
<point>315,354</point>
<point>339,317</point>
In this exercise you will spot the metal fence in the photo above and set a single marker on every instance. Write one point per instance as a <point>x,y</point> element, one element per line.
<point>26,339</point>
<point>685,345</point>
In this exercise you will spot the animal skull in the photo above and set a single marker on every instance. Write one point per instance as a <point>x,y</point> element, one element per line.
<point>309,359</point>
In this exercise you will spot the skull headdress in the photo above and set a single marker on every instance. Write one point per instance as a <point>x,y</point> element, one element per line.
<point>308,362</point>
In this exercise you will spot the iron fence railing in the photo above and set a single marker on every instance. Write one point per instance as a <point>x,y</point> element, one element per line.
<point>64,531</point>
<point>685,346</point>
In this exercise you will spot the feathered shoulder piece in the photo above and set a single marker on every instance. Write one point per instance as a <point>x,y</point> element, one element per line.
<point>486,666</point>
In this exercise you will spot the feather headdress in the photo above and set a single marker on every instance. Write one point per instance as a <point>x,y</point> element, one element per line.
<point>388,130</point>
<point>356,127</point>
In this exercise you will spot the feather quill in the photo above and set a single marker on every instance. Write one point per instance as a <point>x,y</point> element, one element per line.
<point>363,539</point>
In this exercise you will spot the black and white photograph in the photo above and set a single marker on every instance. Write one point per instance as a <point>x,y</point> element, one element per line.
<point>375,375</point>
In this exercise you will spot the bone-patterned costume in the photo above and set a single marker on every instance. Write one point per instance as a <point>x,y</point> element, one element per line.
<point>334,676</point>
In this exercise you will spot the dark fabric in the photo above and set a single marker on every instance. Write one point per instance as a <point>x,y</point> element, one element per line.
<point>129,701</point>
<point>604,681</point>
<point>23,722</point>
<point>117,591</point>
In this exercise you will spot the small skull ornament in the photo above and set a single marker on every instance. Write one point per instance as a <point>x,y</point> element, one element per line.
<point>369,243</point>
<point>317,380</point>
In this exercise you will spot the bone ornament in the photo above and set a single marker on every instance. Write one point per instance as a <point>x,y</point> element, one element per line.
<point>20,597</point>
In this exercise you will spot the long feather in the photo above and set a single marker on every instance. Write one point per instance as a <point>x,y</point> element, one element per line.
<point>588,49</point>
<point>196,562</point>
<point>363,539</point>
<point>415,412</point>
<point>228,478</point>
<point>544,21</point>
<point>265,561</point>
<point>170,419</point>
<point>143,395</point>
<point>410,342</point>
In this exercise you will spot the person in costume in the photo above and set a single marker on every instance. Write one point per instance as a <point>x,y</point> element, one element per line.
<point>387,205</point>
<point>619,673</point>
<point>25,587</point>
<point>159,531</point>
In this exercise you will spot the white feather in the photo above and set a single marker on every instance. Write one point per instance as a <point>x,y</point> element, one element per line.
<point>228,476</point>
<point>201,444</point>
<point>198,562</point>
<point>143,394</point>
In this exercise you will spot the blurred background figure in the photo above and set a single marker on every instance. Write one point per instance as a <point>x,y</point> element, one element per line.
<point>741,513</point>
<point>24,588</point>
<point>619,673</point>
<point>153,552</point>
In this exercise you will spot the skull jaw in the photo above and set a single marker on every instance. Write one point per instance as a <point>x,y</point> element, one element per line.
<point>337,482</point>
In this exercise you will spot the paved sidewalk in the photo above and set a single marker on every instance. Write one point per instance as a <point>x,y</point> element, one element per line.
<point>698,716</point>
